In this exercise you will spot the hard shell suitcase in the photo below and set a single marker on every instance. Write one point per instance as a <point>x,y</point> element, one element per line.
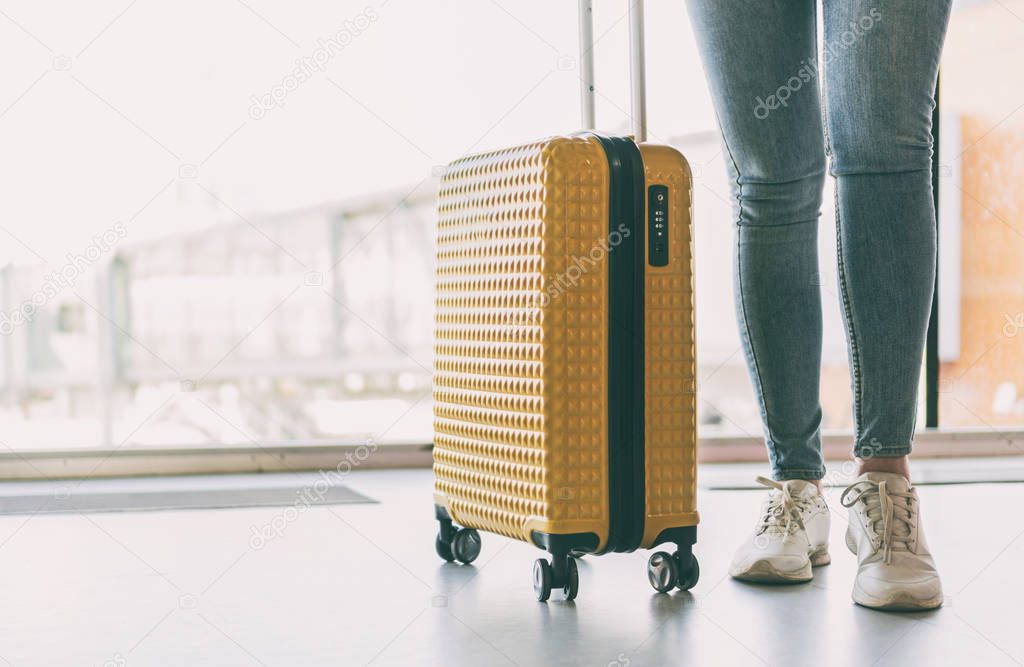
<point>564,370</point>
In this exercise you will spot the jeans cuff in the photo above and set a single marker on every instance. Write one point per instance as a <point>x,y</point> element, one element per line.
<point>869,451</point>
<point>783,474</point>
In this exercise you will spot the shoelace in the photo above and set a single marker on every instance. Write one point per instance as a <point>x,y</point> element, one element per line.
<point>891,513</point>
<point>783,510</point>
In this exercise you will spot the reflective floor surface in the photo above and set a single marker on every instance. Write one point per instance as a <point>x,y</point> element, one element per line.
<point>360,584</point>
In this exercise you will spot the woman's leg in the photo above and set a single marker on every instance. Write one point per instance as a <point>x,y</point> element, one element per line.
<point>760,61</point>
<point>879,81</point>
<point>880,66</point>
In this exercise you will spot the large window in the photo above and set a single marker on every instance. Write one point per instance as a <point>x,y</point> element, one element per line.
<point>231,243</point>
<point>982,244</point>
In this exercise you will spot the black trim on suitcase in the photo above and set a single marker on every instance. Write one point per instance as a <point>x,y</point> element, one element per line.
<point>626,274</point>
<point>565,544</point>
<point>684,537</point>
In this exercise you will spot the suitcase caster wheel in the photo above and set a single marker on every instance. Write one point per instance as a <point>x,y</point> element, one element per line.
<point>662,571</point>
<point>443,549</point>
<point>542,576</point>
<point>465,545</point>
<point>689,572</point>
<point>572,581</point>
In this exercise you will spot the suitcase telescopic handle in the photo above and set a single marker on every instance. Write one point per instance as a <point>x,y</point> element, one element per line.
<point>637,67</point>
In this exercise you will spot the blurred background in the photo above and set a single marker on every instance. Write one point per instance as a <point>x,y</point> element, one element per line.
<point>217,217</point>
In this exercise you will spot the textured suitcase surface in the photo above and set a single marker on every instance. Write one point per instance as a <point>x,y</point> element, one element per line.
<point>528,243</point>
<point>670,361</point>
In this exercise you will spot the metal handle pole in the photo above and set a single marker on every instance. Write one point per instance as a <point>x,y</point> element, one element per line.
<point>637,71</point>
<point>587,63</point>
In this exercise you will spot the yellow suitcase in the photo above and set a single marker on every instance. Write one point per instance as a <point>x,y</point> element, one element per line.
<point>564,370</point>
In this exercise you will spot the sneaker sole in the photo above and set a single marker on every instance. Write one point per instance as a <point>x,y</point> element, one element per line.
<point>895,602</point>
<point>763,572</point>
<point>821,557</point>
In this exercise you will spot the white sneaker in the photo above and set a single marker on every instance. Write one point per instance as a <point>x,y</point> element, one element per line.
<point>790,538</point>
<point>895,569</point>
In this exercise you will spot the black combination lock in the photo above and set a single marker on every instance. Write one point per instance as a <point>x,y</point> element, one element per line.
<point>657,225</point>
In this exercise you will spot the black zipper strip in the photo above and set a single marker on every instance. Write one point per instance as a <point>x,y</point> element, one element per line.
<point>626,265</point>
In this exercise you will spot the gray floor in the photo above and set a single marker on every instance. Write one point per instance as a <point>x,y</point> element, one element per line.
<point>358,584</point>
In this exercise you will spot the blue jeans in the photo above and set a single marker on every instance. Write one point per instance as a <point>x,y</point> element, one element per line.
<point>877,81</point>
